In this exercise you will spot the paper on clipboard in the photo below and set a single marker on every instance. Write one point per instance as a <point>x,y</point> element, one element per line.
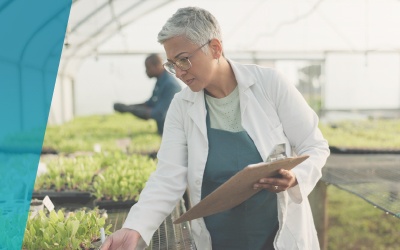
<point>238,188</point>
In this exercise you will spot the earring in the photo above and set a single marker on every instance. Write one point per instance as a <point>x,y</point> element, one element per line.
<point>218,60</point>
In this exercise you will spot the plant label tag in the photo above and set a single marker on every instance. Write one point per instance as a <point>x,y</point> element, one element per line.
<point>48,204</point>
<point>97,148</point>
<point>102,235</point>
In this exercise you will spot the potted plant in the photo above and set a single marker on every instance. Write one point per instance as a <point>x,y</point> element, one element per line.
<point>69,179</point>
<point>120,184</point>
<point>60,231</point>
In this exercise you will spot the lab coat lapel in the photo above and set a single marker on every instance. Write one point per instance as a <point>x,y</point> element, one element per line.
<point>254,118</point>
<point>197,112</point>
<point>257,124</point>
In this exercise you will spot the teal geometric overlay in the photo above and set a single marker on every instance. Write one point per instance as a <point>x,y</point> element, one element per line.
<point>31,40</point>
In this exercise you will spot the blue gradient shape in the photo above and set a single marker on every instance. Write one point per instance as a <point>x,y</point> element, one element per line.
<point>31,40</point>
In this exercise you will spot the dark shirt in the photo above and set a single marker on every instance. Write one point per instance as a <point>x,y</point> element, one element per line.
<point>164,90</point>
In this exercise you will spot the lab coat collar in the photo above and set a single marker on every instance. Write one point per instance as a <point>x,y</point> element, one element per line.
<point>243,76</point>
<point>197,111</point>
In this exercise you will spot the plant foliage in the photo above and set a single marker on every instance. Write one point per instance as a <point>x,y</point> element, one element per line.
<point>124,179</point>
<point>59,231</point>
<point>82,133</point>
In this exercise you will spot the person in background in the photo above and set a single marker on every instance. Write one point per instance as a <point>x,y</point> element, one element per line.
<point>164,90</point>
<point>231,115</point>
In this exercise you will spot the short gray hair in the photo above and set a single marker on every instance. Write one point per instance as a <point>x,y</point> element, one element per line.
<point>196,24</point>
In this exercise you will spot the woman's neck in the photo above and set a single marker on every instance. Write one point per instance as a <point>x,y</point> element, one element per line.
<point>225,81</point>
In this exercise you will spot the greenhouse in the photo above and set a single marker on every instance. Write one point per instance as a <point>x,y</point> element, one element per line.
<point>73,166</point>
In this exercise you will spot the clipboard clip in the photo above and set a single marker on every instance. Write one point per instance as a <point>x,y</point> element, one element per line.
<point>278,153</point>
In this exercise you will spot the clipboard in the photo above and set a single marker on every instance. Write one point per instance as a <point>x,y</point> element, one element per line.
<point>238,188</point>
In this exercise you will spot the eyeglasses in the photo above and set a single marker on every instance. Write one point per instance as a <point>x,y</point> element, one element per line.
<point>182,63</point>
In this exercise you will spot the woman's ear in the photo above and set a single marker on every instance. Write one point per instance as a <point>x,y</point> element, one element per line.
<point>216,48</point>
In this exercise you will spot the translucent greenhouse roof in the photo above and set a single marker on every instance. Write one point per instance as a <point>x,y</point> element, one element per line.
<point>123,27</point>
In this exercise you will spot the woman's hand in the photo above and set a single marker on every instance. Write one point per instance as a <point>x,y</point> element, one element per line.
<point>123,239</point>
<point>286,180</point>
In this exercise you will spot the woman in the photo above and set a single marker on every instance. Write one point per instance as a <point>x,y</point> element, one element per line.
<point>231,115</point>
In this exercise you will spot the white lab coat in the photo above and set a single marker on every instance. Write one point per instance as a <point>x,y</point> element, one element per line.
<point>272,112</point>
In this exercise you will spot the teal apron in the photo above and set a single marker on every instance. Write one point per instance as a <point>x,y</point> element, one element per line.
<point>251,225</point>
